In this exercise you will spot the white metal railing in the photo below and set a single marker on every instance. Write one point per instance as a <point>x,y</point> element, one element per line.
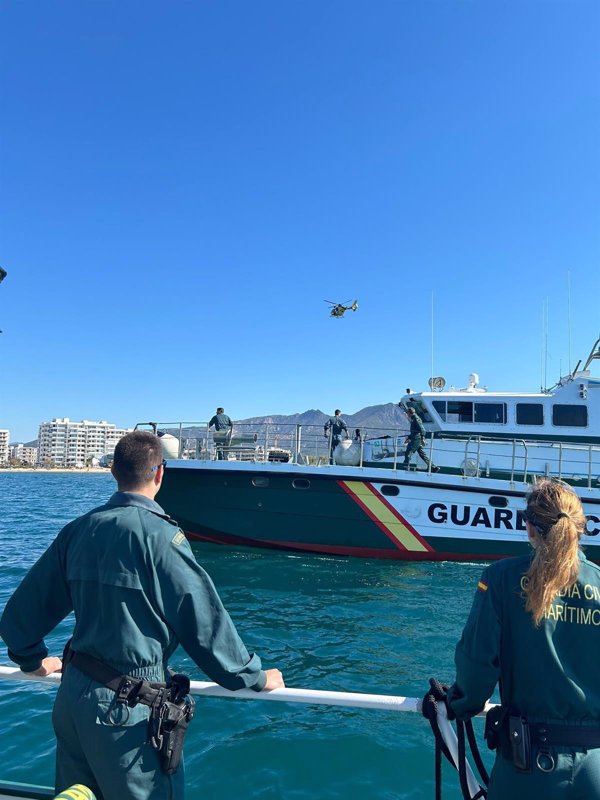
<point>472,456</point>
<point>379,702</point>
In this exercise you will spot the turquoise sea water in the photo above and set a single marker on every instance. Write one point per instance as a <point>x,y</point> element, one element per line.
<point>328,623</point>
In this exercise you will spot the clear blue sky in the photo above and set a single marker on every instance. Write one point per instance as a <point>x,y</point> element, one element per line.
<point>183,183</point>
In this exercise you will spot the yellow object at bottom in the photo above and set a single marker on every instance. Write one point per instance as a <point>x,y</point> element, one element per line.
<point>77,792</point>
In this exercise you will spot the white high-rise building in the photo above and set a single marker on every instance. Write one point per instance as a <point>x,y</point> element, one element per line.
<point>4,442</point>
<point>65,443</point>
<point>21,453</point>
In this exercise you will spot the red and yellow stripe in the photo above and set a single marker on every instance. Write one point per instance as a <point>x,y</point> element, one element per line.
<point>482,586</point>
<point>385,516</point>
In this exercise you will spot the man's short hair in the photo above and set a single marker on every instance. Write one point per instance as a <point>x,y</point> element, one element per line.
<point>220,410</point>
<point>410,410</point>
<point>135,456</point>
<point>337,411</point>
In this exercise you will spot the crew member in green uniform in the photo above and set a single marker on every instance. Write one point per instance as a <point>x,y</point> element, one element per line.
<point>415,440</point>
<point>223,429</point>
<point>534,628</point>
<point>128,573</point>
<point>336,425</point>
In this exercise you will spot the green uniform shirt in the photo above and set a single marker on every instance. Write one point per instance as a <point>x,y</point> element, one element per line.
<point>417,430</point>
<point>337,425</point>
<point>548,674</point>
<point>220,421</point>
<point>128,572</point>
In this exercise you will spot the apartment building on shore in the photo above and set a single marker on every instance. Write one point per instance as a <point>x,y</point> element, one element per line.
<point>4,443</point>
<point>22,454</point>
<point>65,443</point>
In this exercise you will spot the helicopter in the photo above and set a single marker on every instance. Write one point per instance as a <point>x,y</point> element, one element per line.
<point>339,309</point>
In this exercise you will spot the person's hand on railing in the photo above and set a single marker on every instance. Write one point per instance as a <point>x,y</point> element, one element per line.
<point>274,680</point>
<point>47,667</point>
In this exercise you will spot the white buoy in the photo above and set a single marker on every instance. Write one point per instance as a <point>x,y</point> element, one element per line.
<point>347,453</point>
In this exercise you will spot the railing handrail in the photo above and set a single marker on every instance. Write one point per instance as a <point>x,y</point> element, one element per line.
<point>380,702</point>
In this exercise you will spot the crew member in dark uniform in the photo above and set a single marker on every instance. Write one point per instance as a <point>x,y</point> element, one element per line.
<point>128,573</point>
<point>534,628</point>
<point>223,428</point>
<point>415,440</point>
<point>336,424</point>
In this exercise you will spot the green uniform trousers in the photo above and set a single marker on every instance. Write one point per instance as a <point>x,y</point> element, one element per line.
<point>576,776</point>
<point>105,745</point>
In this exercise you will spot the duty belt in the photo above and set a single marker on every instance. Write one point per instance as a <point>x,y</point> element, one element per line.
<point>520,740</point>
<point>171,705</point>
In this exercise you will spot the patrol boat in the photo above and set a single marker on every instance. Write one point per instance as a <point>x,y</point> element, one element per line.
<point>275,488</point>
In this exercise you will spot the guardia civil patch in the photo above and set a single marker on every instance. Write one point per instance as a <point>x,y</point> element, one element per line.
<point>482,586</point>
<point>178,538</point>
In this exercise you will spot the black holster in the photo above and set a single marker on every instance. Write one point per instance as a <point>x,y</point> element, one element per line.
<point>170,717</point>
<point>171,705</point>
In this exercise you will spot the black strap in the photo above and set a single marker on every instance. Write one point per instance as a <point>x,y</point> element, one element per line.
<point>565,735</point>
<point>438,694</point>
<point>129,690</point>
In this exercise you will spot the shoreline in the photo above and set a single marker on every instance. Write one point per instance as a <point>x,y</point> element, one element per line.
<point>67,470</point>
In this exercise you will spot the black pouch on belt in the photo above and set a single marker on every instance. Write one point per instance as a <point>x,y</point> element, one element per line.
<point>520,743</point>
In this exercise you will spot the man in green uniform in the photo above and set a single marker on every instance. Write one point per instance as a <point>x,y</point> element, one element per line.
<point>548,675</point>
<point>415,440</point>
<point>223,430</point>
<point>335,425</point>
<point>128,573</point>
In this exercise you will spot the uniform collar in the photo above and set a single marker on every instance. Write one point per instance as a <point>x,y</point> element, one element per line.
<point>135,499</point>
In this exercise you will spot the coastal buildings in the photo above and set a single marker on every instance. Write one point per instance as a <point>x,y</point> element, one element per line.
<point>4,442</point>
<point>65,443</point>
<point>22,454</point>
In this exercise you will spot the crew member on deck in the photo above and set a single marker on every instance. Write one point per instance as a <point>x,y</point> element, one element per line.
<point>415,440</point>
<point>534,628</point>
<point>223,428</point>
<point>336,424</point>
<point>128,573</point>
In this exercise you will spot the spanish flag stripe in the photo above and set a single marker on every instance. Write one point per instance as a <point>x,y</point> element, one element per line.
<point>483,586</point>
<point>399,516</point>
<point>384,516</point>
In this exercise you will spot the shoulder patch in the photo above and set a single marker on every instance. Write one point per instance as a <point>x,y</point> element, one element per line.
<point>178,538</point>
<point>482,586</point>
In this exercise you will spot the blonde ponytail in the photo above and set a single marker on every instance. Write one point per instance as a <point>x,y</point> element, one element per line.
<point>556,513</point>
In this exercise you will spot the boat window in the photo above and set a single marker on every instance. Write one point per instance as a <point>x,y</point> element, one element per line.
<point>490,412</point>
<point>459,411</point>
<point>260,480</point>
<point>569,416</point>
<point>440,407</point>
<point>390,490</point>
<point>497,501</point>
<point>530,414</point>
<point>301,483</point>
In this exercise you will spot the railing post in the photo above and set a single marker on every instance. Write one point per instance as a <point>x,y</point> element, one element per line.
<point>431,451</point>
<point>266,453</point>
<point>396,449</point>
<point>559,460</point>
<point>180,451</point>
<point>526,461</point>
<point>590,469</point>
<point>298,442</point>
<point>512,472</point>
<point>478,454</point>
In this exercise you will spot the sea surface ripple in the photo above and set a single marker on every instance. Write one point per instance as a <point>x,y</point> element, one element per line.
<point>337,624</point>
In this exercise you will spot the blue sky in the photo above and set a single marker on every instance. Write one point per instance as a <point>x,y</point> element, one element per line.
<point>182,184</point>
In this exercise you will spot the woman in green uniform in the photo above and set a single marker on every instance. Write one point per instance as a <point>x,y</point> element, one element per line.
<point>534,628</point>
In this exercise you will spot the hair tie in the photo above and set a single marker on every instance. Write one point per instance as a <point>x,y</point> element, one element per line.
<point>562,515</point>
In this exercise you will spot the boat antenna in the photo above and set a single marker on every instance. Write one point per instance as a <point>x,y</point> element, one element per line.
<point>431,381</point>
<point>569,307</point>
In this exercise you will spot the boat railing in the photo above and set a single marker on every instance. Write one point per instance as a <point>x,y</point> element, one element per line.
<point>471,457</point>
